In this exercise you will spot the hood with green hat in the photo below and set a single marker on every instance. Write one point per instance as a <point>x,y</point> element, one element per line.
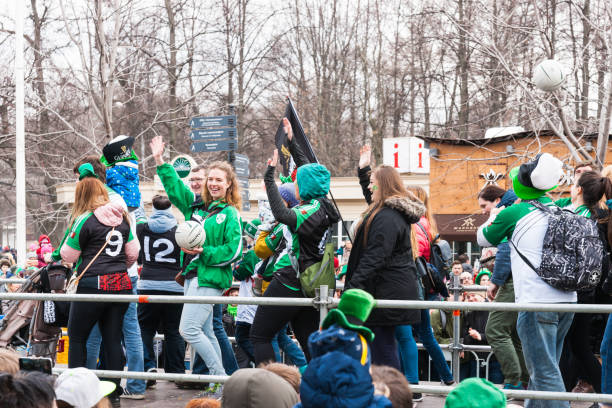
<point>353,310</point>
<point>313,181</point>
<point>532,179</point>
<point>475,392</point>
<point>483,271</point>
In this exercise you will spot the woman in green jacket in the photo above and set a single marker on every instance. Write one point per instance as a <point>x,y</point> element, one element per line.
<point>210,272</point>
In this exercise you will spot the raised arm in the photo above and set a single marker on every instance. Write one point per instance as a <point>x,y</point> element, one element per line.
<point>296,151</point>
<point>281,213</point>
<point>365,157</point>
<point>178,193</point>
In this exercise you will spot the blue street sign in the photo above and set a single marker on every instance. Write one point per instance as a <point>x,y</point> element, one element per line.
<point>215,145</point>
<point>242,158</point>
<point>211,134</point>
<point>212,121</point>
<point>245,195</point>
<point>243,183</point>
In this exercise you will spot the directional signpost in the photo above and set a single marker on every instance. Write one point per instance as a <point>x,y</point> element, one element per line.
<point>213,133</point>
<point>219,134</point>
<point>241,165</point>
<point>214,145</point>
<point>209,134</point>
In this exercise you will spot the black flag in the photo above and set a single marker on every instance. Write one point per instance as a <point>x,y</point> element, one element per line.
<point>299,136</point>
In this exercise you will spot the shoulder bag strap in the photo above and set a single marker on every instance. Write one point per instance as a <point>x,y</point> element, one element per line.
<point>523,257</point>
<point>94,258</point>
<point>426,233</point>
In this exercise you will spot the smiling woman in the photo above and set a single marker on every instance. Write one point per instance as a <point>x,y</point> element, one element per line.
<point>209,273</point>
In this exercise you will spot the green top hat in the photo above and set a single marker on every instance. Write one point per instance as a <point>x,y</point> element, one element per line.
<point>532,179</point>
<point>353,310</point>
<point>118,150</point>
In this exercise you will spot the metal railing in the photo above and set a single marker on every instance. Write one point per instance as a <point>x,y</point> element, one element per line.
<point>324,301</point>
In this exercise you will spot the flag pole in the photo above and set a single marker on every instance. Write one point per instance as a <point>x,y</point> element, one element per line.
<point>312,153</point>
<point>20,201</point>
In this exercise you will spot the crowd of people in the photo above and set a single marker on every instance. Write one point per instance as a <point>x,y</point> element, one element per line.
<point>114,248</point>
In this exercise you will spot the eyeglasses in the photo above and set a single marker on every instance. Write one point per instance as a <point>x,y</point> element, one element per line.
<point>196,180</point>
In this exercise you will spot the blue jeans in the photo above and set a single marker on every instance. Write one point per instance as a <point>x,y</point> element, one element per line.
<point>292,350</point>
<point>132,341</point>
<point>196,326</point>
<point>425,334</point>
<point>227,353</point>
<point>606,358</point>
<point>542,335</point>
<point>409,355</point>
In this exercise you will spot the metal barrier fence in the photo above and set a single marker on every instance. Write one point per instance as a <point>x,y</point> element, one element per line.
<point>324,301</point>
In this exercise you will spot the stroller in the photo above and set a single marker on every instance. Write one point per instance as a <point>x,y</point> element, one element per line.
<point>25,318</point>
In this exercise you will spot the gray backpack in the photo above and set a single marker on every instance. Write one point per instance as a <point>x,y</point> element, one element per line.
<point>572,251</point>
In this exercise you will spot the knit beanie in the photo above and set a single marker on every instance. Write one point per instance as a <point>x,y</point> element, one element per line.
<point>287,192</point>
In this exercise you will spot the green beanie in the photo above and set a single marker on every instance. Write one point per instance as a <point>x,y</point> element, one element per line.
<point>313,181</point>
<point>475,392</point>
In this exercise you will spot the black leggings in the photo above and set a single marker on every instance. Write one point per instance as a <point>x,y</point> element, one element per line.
<point>269,320</point>
<point>582,357</point>
<point>384,347</point>
<point>83,317</point>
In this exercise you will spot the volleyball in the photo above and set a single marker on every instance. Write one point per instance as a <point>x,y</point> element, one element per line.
<point>190,235</point>
<point>549,75</point>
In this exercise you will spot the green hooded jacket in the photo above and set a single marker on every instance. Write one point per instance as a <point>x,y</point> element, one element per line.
<point>223,244</point>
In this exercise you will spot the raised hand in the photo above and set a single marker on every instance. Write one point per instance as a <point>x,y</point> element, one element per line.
<point>157,149</point>
<point>365,156</point>
<point>287,128</point>
<point>274,160</point>
<point>492,291</point>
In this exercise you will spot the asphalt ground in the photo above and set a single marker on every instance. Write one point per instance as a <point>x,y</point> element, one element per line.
<point>167,395</point>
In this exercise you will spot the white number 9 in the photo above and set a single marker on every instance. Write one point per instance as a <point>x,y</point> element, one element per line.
<point>115,240</point>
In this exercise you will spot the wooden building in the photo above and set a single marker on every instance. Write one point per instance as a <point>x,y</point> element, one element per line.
<point>459,169</point>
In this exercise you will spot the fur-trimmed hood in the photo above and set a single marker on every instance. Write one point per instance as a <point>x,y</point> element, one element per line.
<point>411,208</point>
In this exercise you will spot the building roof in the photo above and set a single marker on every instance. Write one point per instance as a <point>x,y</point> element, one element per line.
<point>493,140</point>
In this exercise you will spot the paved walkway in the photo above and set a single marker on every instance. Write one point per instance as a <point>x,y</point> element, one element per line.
<point>166,395</point>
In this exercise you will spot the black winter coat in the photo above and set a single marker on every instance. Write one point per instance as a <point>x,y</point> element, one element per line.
<point>384,267</point>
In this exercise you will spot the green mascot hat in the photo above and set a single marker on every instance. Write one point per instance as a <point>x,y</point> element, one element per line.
<point>352,312</point>
<point>532,179</point>
<point>118,150</point>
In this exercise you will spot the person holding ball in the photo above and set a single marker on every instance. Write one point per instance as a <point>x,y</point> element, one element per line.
<point>210,271</point>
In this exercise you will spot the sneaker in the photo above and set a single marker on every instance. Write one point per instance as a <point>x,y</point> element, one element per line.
<point>583,387</point>
<point>114,400</point>
<point>151,384</point>
<point>215,391</point>
<point>130,395</point>
<point>448,383</point>
<point>417,396</point>
<point>191,385</point>
<point>510,386</point>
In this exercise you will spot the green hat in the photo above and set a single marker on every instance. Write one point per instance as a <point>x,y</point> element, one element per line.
<point>475,392</point>
<point>118,150</point>
<point>342,271</point>
<point>86,170</point>
<point>352,312</point>
<point>483,272</point>
<point>532,179</point>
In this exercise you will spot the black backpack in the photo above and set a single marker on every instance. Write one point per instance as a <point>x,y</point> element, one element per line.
<point>440,254</point>
<point>572,251</point>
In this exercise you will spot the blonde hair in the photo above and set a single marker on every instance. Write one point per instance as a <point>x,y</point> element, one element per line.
<point>232,195</point>
<point>9,361</point>
<point>421,194</point>
<point>291,374</point>
<point>90,194</point>
<point>203,403</point>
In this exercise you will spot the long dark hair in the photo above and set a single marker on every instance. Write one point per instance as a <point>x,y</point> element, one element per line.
<point>594,187</point>
<point>389,184</point>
